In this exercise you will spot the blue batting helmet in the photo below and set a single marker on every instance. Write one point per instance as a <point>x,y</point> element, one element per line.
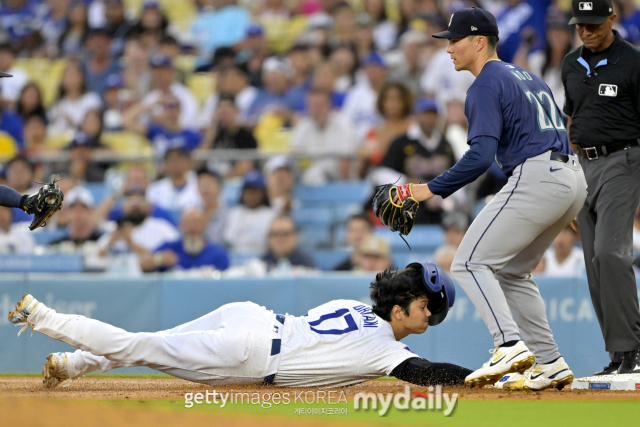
<point>440,290</point>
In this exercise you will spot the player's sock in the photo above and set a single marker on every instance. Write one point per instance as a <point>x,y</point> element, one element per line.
<point>509,343</point>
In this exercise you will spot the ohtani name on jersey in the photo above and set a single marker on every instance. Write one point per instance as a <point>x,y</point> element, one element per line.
<point>370,319</point>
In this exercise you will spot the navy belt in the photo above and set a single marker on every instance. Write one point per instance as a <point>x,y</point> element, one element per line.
<point>559,157</point>
<point>275,349</point>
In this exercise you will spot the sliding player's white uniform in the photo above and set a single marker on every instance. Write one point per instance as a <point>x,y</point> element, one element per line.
<point>336,344</point>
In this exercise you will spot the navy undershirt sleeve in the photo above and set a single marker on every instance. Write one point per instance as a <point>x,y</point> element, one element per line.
<point>10,197</point>
<point>473,164</point>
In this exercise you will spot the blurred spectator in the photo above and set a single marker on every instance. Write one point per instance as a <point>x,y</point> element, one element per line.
<point>629,16</point>
<point>20,20</point>
<point>99,65</point>
<point>163,83</point>
<point>248,225</point>
<point>192,251</point>
<point>365,43</point>
<point>636,231</point>
<point>11,87</point>
<point>344,24</point>
<point>137,177</point>
<point>53,25</point>
<point>151,26</point>
<point>136,234</point>
<point>360,102</point>
<point>252,53</point>
<point>164,128</point>
<point>34,135</point>
<point>235,82</point>
<point>283,252</point>
<point>92,125</point>
<point>136,73</point>
<point>519,22</point>
<point>455,225</point>
<point>223,58</point>
<point>374,255</point>
<point>409,69</point>
<point>276,75</point>
<point>358,228</point>
<point>112,96</point>
<point>74,101</point>
<point>29,101</point>
<point>385,31</point>
<point>547,62</point>
<point>170,48</point>
<point>444,257</point>
<point>300,63</point>
<point>72,38</point>
<point>563,259</point>
<point>13,240</point>
<point>215,211</point>
<point>11,124</point>
<point>220,23</point>
<point>81,228</point>
<point>324,78</point>
<point>225,133</point>
<point>422,154</point>
<point>179,188</point>
<point>280,175</point>
<point>344,61</point>
<point>117,24</point>
<point>81,165</point>
<point>324,134</point>
<point>394,105</point>
<point>20,176</point>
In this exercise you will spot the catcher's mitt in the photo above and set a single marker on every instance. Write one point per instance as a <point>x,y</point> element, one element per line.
<point>44,204</point>
<point>397,215</point>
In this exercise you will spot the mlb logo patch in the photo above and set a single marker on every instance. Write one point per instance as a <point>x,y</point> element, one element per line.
<point>608,90</point>
<point>585,6</point>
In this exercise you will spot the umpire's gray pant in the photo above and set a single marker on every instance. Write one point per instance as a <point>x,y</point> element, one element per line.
<point>606,228</point>
<point>507,240</point>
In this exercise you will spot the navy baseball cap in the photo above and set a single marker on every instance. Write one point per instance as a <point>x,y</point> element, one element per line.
<point>470,22</point>
<point>374,58</point>
<point>590,12</point>
<point>425,104</point>
<point>253,179</point>
<point>160,61</point>
<point>115,81</point>
<point>254,31</point>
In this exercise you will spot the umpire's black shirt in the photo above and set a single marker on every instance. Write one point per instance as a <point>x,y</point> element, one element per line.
<point>602,92</point>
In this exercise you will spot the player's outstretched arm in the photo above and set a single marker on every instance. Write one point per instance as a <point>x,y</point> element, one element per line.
<point>10,198</point>
<point>422,372</point>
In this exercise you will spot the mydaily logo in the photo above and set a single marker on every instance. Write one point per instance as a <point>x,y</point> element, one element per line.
<point>418,401</point>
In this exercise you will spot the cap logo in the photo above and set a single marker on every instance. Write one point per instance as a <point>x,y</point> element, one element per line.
<point>473,28</point>
<point>610,10</point>
<point>451,19</point>
<point>585,6</point>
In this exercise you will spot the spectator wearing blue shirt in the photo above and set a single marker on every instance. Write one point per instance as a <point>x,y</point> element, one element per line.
<point>521,18</point>
<point>221,23</point>
<point>276,76</point>
<point>192,251</point>
<point>164,129</point>
<point>20,19</point>
<point>20,176</point>
<point>100,64</point>
<point>283,252</point>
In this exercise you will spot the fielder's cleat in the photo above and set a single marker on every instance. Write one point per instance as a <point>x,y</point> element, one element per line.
<point>612,369</point>
<point>630,363</point>
<point>23,309</point>
<point>514,376</point>
<point>505,360</point>
<point>56,370</point>
<point>540,377</point>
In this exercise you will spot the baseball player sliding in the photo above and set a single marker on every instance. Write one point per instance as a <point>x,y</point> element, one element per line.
<point>513,120</point>
<point>336,344</point>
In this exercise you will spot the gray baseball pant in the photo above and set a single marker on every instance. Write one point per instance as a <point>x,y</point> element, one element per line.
<point>506,242</point>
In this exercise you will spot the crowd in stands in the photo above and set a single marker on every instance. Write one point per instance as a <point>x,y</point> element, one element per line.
<point>185,131</point>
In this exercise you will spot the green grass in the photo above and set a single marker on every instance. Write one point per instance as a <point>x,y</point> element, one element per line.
<point>98,375</point>
<point>480,413</point>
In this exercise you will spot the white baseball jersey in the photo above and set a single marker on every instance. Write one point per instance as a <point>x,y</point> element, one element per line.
<point>338,343</point>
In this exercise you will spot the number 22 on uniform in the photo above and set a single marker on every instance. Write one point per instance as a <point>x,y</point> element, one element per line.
<point>546,121</point>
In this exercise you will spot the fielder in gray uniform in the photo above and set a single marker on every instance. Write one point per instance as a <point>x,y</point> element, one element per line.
<point>514,121</point>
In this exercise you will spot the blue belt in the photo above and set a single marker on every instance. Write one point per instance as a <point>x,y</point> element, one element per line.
<point>275,349</point>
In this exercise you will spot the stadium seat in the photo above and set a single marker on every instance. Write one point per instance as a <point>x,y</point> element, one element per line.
<point>44,236</point>
<point>315,236</point>
<point>98,191</point>
<point>127,143</point>
<point>231,192</point>
<point>403,258</point>
<point>421,238</point>
<point>328,260</point>
<point>239,259</point>
<point>201,85</point>
<point>334,193</point>
<point>319,216</point>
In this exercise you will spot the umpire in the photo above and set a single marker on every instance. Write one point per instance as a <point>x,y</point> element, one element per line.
<point>602,87</point>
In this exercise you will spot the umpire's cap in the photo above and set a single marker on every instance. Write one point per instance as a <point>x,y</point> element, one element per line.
<point>590,12</point>
<point>440,290</point>
<point>470,22</point>
<point>5,74</point>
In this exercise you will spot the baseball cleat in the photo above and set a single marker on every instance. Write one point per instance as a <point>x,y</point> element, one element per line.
<point>611,369</point>
<point>540,377</point>
<point>23,309</point>
<point>630,363</point>
<point>505,360</point>
<point>56,370</point>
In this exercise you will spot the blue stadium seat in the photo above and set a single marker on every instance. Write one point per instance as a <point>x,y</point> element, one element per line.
<point>338,192</point>
<point>422,238</point>
<point>98,190</point>
<point>402,258</point>
<point>238,259</point>
<point>320,215</point>
<point>328,260</point>
<point>343,211</point>
<point>315,236</point>
<point>43,237</point>
<point>231,192</point>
